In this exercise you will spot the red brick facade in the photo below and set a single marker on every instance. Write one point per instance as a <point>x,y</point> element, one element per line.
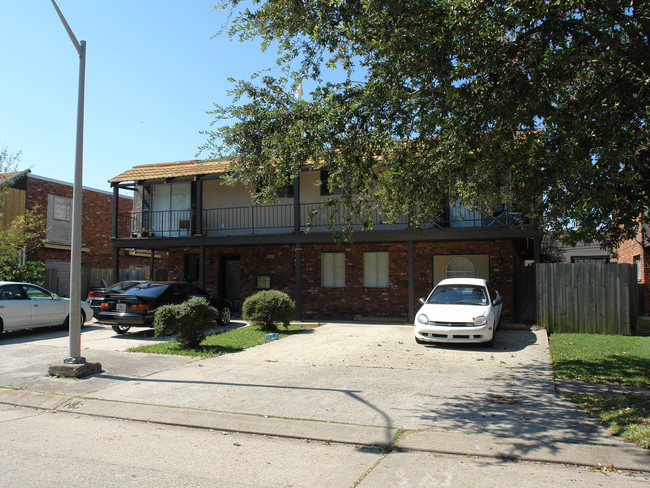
<point>635,251</point>
<point>96,224</point>
<point>354,299</point>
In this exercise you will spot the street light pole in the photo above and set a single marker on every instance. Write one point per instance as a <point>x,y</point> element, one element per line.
<point>74,352</point>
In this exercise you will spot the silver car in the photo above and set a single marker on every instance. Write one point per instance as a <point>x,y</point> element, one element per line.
<point>27,306</point>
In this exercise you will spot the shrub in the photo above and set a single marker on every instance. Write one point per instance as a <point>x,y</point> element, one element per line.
<point>12,270</point>
<point>191,320</point>
<point>268,308</point>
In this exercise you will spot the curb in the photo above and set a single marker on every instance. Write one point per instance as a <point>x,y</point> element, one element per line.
<point>620,456</point>
<point>624,457</point>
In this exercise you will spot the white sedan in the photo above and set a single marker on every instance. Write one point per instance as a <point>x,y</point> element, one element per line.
<point>459,310</point>
<point>27,306</point>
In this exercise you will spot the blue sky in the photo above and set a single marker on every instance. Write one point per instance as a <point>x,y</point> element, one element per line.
<point>153,70</point>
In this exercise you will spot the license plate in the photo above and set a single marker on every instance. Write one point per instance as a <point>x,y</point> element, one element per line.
<point>120,307</point>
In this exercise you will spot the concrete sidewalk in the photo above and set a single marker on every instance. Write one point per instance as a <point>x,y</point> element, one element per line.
<point>351,384</point>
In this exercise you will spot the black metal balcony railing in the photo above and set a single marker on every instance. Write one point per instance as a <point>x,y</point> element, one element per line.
<point>269,219</point>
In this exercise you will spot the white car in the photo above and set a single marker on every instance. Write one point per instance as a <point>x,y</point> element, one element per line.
<point>27,306</point>
<point>459,310</point>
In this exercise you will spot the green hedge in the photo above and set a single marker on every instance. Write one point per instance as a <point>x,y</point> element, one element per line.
<point>269,308</point>
<point>191,320</point>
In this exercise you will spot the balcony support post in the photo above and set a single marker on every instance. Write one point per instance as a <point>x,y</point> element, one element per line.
<point>116,264</point>
<point>411,281</point>
<point>199,207</point>
<point>116,202</point>
<point>202,267</point>
<point>296,204</point>
<point>298,281</point>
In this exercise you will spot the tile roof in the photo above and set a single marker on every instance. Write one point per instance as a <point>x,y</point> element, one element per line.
<point>175,169</point>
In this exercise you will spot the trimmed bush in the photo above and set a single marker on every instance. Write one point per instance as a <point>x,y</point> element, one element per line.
<point>268,308</point>
<point>191,320</point>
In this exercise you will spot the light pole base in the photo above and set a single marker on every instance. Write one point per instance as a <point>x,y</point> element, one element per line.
<point>74,368</point>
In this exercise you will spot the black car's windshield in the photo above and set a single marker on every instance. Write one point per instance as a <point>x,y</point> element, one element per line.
<point>458,295</point>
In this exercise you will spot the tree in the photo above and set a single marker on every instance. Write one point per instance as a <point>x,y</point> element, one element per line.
<point>538,104</point>
<point>25,233</point>
<point>8,161</point>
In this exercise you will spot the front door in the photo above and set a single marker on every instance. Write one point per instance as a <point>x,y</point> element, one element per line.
<point>232,281</point>
<point>191,268</point>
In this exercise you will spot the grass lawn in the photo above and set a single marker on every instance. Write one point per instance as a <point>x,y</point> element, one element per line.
<point>627,416</point>
<point>232,340</point>
<point>612,359</point>
<point>619,360</point>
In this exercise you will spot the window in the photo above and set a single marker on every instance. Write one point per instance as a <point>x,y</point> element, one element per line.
<point>171,204</point>
<point>325,186</point>
<point>442,262</point>
<point>637,263</point>
<point>375,269</point>
<point>460,267</point>
<point>333,269</point>
<point>34,293</point>
<point>590,259</point>
<point>62,208</point>
<point>286,191</point>
<point>263,282</point>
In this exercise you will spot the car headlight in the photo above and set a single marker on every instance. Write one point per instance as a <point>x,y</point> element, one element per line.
<point>423,319</point>
<point>480,320</point>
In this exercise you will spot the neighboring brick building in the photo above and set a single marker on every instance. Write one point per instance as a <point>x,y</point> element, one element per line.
<point>54,198</point>
<point>636,251</point>
<point>215,238</point>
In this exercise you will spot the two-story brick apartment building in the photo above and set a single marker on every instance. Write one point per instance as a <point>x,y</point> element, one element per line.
<point>53,198</point>
<point>216,238</point>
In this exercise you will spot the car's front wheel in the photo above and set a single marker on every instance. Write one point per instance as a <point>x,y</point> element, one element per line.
<point>225,316</point>
<point>66,322</point>
<point>121,329</point>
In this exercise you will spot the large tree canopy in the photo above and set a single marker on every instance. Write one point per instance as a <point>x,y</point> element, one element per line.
<point>538,104</point>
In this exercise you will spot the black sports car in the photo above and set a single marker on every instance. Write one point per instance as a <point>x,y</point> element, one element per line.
<point>137,306</point>
<point>96,295</point>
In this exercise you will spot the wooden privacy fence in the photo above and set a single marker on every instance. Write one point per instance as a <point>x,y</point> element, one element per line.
<point>586,297</point>
<point>92,277</point>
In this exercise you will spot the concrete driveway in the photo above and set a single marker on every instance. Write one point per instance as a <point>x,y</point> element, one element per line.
<point>363,374</point>
<point>354,383</point>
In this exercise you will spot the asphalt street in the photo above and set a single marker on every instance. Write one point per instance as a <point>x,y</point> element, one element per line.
<point>344,405</point>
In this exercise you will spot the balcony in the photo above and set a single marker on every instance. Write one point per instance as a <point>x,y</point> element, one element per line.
<point>279,219</point>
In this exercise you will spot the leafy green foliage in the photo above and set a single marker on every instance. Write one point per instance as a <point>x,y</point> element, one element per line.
<point>539,105</point>
<point>8,161</point>
<point>191,320</point>
<point>11,269</point>
<point>25,233</point>
<point>268,308</point>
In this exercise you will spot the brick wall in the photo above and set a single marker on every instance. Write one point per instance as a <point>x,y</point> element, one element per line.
<point>96,221</point>
<point>626,254</point>
<point>354,299</point>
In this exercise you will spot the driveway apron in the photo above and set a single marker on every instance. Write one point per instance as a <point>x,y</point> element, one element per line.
<point>375,375</point>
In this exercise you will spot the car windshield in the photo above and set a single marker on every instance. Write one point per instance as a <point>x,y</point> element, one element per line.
<point>458,295</point>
